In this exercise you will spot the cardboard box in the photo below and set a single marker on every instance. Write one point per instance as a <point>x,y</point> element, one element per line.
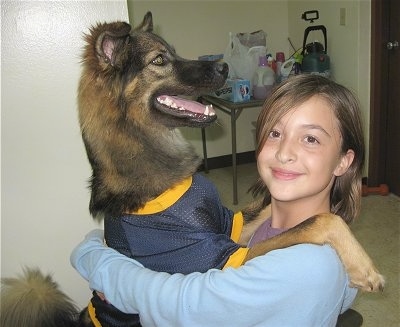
<point>235,90</point>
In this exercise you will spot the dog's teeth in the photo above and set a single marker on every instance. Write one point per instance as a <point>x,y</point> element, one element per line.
<point>209,112</point>
<point>168,102</point>
<point>181,109</point>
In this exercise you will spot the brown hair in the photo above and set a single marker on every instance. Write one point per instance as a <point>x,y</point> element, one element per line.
<point>345,195</point>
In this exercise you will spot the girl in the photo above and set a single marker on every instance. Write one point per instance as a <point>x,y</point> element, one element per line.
<point>309,156</point>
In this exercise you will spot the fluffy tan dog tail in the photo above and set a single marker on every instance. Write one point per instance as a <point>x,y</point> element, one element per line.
<point>35,300</point>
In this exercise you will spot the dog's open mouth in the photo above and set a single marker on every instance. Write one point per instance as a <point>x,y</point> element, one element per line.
<point>184,108</point>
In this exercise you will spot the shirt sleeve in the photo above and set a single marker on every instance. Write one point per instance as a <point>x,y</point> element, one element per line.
<point>304,285</point>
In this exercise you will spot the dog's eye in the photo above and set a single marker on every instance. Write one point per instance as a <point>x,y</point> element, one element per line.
<point>159,60</point>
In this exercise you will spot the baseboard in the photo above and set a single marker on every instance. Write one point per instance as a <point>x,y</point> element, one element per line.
<point>226,160</point>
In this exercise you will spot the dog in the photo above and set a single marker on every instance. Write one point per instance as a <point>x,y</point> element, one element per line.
<point>145,184</point>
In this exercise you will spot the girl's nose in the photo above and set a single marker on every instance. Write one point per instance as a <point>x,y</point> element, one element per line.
<point>286,152</point>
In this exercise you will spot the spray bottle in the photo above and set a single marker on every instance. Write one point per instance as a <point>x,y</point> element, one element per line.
<point>264,77</point>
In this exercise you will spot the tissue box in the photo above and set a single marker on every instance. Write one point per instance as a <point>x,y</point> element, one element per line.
<point>235,90</point>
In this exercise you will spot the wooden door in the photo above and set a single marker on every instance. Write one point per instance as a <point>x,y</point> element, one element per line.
<point>384,158</point>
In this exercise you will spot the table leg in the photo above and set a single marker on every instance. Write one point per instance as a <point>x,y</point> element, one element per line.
<point>234,109</point>
<point>234,163</point>
<point>204,140</point>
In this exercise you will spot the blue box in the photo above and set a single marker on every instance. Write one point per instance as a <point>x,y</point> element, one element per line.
<point>234,90</point>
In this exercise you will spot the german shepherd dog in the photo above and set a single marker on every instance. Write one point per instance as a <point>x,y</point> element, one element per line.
<point>128,113</point>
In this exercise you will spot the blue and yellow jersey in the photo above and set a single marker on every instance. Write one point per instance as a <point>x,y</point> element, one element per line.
<point>185,229</point>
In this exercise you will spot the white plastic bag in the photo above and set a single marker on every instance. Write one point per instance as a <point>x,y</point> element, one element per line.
<point>239,56</point>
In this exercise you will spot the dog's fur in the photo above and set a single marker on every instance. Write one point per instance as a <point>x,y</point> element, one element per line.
<point>136,153</point>
<point>131,141</point>
<point>35,300</point>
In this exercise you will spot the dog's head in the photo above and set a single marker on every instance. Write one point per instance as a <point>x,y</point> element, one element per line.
<point>144,75</point>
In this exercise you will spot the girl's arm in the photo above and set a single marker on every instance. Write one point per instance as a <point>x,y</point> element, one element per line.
<point>304,285</point>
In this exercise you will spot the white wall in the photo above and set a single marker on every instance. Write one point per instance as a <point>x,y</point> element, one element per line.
<point>44,171</point>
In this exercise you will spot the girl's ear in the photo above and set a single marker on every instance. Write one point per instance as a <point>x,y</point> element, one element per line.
<point>344,163</point>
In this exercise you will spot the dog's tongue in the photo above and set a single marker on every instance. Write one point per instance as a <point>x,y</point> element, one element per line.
<point>184,104</point>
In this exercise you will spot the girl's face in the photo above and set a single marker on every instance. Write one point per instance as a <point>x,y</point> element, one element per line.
<point>301,156</point>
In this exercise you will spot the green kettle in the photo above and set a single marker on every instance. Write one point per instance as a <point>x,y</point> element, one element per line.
<point>315,58</point>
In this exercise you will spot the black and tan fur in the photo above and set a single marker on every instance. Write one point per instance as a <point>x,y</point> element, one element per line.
<point>131,141</point>
<point>136,153</point>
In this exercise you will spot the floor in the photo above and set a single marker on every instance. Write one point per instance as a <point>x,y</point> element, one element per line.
<point>377,229</point>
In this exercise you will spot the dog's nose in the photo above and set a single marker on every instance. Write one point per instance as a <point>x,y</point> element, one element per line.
<point>222,68</point>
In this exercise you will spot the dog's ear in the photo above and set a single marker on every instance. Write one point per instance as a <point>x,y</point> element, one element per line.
<point>108,42</point>
<point>147,24</point>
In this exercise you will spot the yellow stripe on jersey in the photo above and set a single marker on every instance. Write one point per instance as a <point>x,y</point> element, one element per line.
<point>166,199</point>
<point>236,259</point>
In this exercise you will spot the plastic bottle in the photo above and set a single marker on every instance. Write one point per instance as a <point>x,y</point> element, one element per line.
<point>264,79</point>
<point>287,68</point>
<point>271,62</point>
<point>280,59</point>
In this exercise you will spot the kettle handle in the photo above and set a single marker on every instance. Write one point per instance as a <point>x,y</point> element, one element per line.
<point>314,28</point>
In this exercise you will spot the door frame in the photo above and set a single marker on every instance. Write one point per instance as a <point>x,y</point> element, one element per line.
<point>379,95</point>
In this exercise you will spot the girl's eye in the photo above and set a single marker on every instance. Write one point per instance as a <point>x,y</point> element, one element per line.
<point>311,140</point>
<point>159,60</point>
<point>274,134</point>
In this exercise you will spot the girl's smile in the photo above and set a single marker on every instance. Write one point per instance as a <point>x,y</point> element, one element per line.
<point>285,175</point>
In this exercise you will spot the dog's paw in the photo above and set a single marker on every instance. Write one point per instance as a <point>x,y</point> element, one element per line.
<point>371,281</point>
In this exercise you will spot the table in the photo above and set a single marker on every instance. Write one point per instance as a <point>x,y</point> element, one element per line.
<point>234,110</point>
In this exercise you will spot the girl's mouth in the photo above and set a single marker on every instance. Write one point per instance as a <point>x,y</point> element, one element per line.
<point>283,174</point>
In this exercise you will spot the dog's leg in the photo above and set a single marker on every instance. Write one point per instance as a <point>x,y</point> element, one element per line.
<point>329,229</point>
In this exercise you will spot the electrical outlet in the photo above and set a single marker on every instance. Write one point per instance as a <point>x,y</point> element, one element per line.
<point>342,16</point>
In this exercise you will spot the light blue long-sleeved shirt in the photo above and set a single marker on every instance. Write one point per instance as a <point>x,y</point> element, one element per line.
<point>304,285</point>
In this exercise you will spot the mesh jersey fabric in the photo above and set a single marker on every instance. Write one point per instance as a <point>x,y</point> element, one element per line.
<point>193,234</point>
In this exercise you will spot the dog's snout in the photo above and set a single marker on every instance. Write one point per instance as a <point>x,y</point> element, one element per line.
<point>222,68</point>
